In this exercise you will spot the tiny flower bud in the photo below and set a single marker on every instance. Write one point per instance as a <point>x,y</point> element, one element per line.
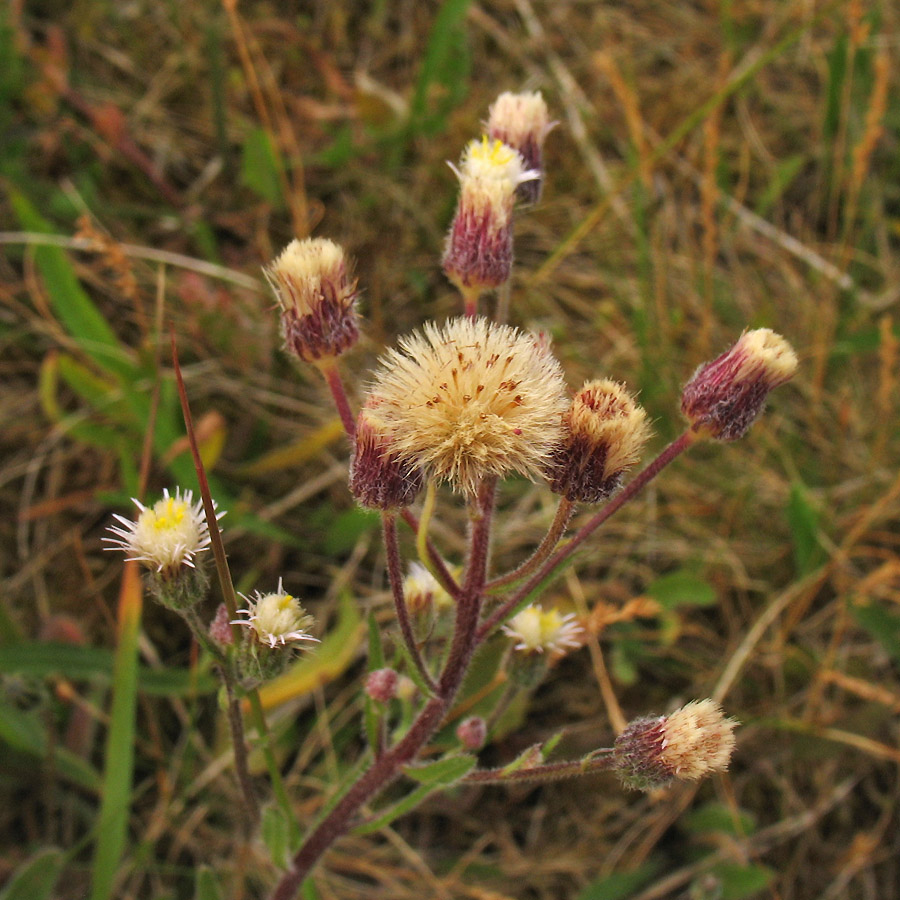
<point>687,745</point>
<point>472,732</point>
<point>604,433</point>
<point>379,479</point>
<point>422,591</point>
<point>317,299</point>
<point>522,122</point>
<point>479,249</point>
<point>406,688</point>
<point>381,685</point>
<point>220,627</point>
<point>724,396</point>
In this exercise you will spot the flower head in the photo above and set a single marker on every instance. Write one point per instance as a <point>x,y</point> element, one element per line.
<point>536,630</point>
<point>470,399</point>
<point>522,122</point>
<point>317,299</point>
<point>276,618</point>
<point>605,431</point>
<point>479,246</point>
<point>379,478</point>
<point>725,396</point>
<point>422,591</point>
<point>687,745</point>
<point>165,536</point>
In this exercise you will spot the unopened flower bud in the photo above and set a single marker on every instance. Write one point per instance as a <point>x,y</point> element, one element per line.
<point>479,249</point>
<point>406,688</point>
<point>724,396</point>
<point>472,732</point>
<point>379,479</point>
<point>522,122</point>
<point>604,433</point>
<point>220,627</point>
<point>687,745</point>
<point>317,299</point>
<point>381,685</point>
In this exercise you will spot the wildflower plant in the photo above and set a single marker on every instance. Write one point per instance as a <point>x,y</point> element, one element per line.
<point>462,403</point>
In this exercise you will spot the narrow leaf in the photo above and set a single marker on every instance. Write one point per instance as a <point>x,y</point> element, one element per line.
<point>36,878</point>
<point>443,772</point>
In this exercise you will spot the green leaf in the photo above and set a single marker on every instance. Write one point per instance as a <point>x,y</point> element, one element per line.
<point>261,167</point>
<point>36,878</point>
<point>740,882</point>
<point>206,885</point>
<point>803,521</point>
<point>376,649</point>
<point>442,82</point>
<point>882,624</point>
<point>621,885</point>
<point>717,817</point>
<point>276,831</point>
<point>443,772</point>
<point>42,660</point>
<point>682,588</point>
<point>71,304</point>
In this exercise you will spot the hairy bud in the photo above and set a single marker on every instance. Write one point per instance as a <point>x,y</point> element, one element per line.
<point>605,431</point>
<point>725,396</point>
<point>381,685</point>
<point>472,732</point>
<point>317,299</point>
<point>692,742</point>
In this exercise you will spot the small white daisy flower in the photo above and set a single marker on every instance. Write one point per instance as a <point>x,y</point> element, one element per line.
<point>422,590</point>
<point>276,618</point>
<point>165,536</point>
<point>536,630</point>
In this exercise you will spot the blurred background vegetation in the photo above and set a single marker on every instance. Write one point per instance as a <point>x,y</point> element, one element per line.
<point>717,165</point>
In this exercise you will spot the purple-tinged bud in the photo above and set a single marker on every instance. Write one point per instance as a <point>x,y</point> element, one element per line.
<point>522,122</point>
<point>317,299</point>
<point>378,478</point>
<point>472,732</point>
<point>479,251</point>
<point>724,396</point>
<point>604,433</point>
<point>381,685</point>
<point>692,742</point>
<point>220,627</point>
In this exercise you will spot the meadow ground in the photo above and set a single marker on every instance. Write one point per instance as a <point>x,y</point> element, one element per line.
<point>716,166</point>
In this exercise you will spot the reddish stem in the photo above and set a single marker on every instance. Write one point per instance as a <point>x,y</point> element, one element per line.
<point>333,377</point>
<point>563,553</point>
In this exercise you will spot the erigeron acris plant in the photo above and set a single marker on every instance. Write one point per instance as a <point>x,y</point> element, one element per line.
<point>463,403</point>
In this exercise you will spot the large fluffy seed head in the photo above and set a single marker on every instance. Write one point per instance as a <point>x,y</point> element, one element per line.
<point>522,122</point>
<point>725,396</point>
<point>536,630</point>
<point>165,536</point>
<point>478,253</point>
<point>691,743</point>
<point>276,618</point>
<point>471,399</point>
<point>605,431</point>
<point>317,298</point>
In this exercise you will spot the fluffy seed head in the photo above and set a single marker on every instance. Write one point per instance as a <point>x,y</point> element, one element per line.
<point>478,253</point>
<point>536,630</point>
<point>276,618</point>
<point>317,298</point>
<point>687,745</point>
<point>165,536</point>
<point>604,433</point>
<point>724,396</point>
<point>522,122</point>
<point>470,399</point>
<point>379,478</point>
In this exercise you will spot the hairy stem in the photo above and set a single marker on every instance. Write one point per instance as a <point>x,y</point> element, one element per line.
<point>387,767</point>
<point>499,615</point>
<point>333,378</point>
<point>395,575</point>
<point>544,772</point>
<point>236,723</point>
<point>544,549</point>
